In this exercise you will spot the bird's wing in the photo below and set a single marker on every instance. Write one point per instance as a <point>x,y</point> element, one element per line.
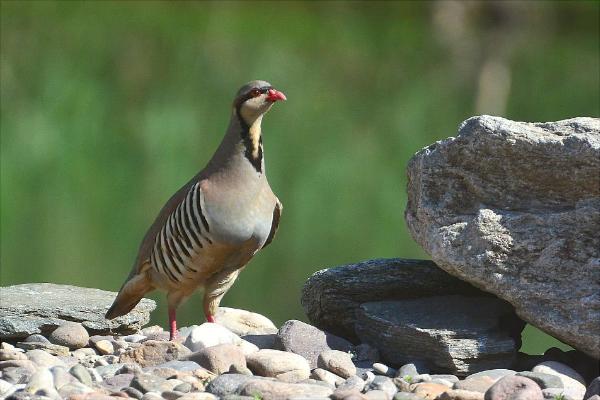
<point>275,222</point>
<point>145,249</point>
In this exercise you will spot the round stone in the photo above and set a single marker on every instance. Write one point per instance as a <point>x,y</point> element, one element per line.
<point>338,362</point>
<point>105,347</point>
<point>544,381</point>
<point>70,334</point>
<point>429,390</point>
<point>408,370</point>
<point>514,388</point>
<point>82,374</point>
<point>382,369</point>
<point>573,382</point>
<point>36,338</point>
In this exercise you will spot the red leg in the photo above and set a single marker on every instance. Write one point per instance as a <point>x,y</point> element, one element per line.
<point>172,324</point>
<point>210,318</point>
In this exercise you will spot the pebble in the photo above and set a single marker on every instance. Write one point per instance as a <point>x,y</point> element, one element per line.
<point>242,322</point>
<point>377,395</point>
<point>70,334</point>
<point>73,389</point>
<point>347,395</point>
<point>149,383</point>
<point>104,347</point>
<point>96,377</point>
<point>495,374</point>
<point>407,396</point>
<point>475,383</point>
<point>135,338</point>
<point>555,394</point>
<point>172,383</point>
<point>446,377</point>
<point>106,371</point>
<point>282,365</point>
<point>384,384</point>
<point>558,369</point>
<point>442,382</point>
<point>117,382</point>
<point>368,377</point>
<point>325,376</point>
<point>338,362</point>
<point>54,349</point>
<point>221,358</point>
<point>429,390</point>
<point>43,359</point>
<point>171,394</point>
<point>308,341</point>
<point>36,338</point>
<point>383,369</point>
<point>573,382</point>
<point>208,335</point>
<point>180,365</point>
<point>421,378</point>
<point>61,377</point>
<point>12,354</point>
<point>262,341</point>
<point>407,370</point>
<point>354,383</point>
<point>544,381</point>
<point>209,396</point>
<point>227,384</point>
<point>81,374</point>
<point>183,387</point>
<point>85,352</point>
<point>270,389</point>
<point>459,394</point>
<point>42,379</point>
<point>133,392</point>
<point>514,388</point>
<point>17,375</point>
<point>152,396</point>
<point>5,387</point>
<point>153,352</point>
<point>402,384</point>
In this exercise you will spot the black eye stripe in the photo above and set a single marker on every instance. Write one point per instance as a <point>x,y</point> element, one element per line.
<point>248,95</point>
<point>263,89</point>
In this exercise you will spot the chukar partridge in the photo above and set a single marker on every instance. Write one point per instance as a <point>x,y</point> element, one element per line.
<point>210,228</point>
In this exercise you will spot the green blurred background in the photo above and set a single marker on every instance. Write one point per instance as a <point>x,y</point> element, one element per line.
<point>108,107</point>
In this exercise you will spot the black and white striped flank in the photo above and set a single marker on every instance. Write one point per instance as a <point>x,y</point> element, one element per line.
<point>179,241</point>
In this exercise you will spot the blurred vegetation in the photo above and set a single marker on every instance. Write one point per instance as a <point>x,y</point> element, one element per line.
<point>108,107</point>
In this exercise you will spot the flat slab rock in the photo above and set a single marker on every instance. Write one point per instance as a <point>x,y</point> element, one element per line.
<point>330,297</point>
<point>514,209</point>
<point>41,307</point>
<point>450,334</point>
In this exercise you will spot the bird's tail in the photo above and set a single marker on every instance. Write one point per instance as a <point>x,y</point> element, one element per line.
<point>130,294</point>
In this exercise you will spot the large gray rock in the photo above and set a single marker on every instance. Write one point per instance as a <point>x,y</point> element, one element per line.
<point>454,334</point>
<point>331,296</point>
<point>42,307</point>
<point>514,208</point>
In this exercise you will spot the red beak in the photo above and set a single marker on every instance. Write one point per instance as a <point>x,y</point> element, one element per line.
<point>274,95</point>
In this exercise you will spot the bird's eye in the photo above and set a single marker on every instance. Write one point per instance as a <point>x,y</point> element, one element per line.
<point>255,92</point>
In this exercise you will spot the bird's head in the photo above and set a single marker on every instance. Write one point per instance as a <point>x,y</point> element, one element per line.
<point>254,99</point>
